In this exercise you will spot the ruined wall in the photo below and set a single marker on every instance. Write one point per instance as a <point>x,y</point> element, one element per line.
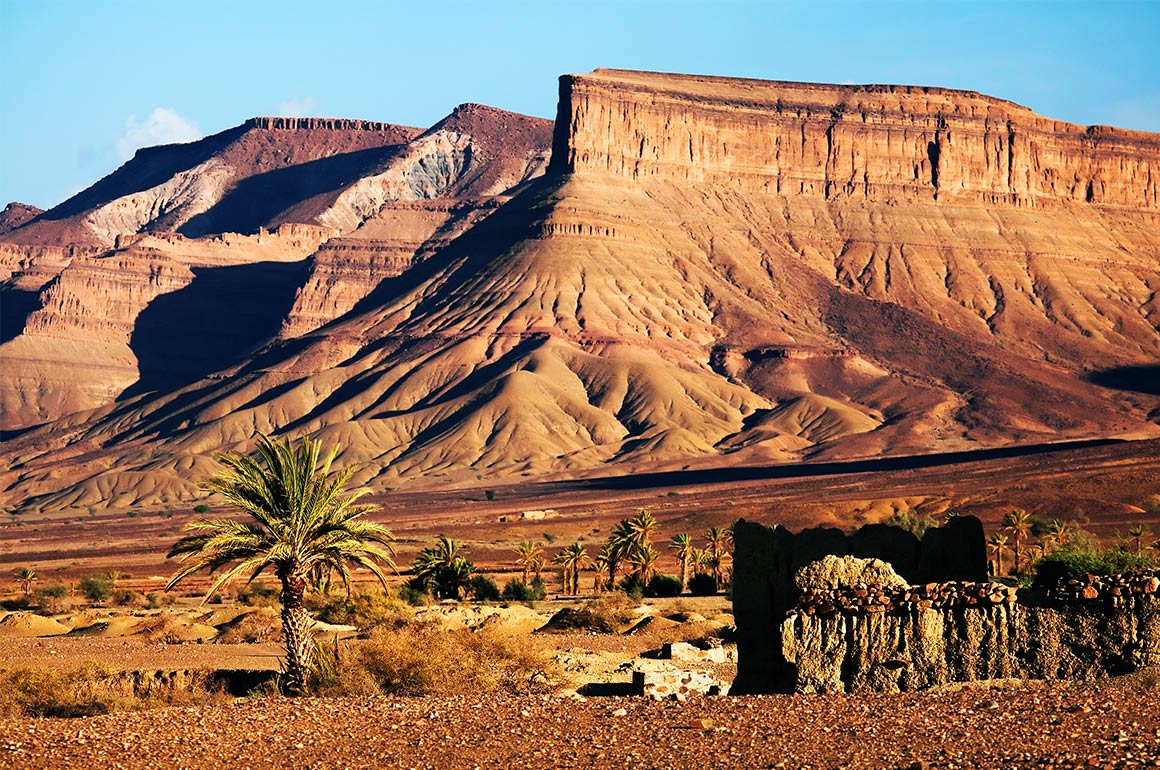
<point>943,623</point>
<point>845,141</point>
<point>766,558</point>
<point>920,648</point>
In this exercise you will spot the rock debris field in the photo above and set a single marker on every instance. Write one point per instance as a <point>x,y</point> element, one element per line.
<point>1030,725</point>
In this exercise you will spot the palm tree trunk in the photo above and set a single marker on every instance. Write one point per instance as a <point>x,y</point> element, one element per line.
<point>296,630</point>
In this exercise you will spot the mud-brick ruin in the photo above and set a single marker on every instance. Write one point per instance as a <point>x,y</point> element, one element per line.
<point>880,610</point>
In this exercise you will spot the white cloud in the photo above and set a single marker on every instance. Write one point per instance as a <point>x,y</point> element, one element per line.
<point>163,126</point>
<point>297,108</point>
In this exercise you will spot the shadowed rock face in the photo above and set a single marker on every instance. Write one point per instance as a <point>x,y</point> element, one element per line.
<point>712,270</point>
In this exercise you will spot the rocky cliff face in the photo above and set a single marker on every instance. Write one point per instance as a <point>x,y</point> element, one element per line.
<point>828,141</point>
<point>234,181</point>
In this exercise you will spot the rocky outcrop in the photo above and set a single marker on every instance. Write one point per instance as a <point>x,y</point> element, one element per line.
<point>234,181</point>
<point>78,344</point>
<point>16,214</point>
<point>833,141</point>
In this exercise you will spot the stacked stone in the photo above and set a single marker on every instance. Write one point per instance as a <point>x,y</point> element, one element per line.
<point>863,598</point>
<point>678,685</point>
<point>1113,588</point>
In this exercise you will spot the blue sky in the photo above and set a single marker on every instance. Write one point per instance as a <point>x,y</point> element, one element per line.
<point>86,83</point>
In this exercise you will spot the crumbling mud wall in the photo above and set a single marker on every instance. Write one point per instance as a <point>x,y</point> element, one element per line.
<point>914,649</point>
<point>766,558</point>
<point>936,622</point>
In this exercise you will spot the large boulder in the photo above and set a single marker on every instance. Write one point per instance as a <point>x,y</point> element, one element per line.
<point>846,571</point>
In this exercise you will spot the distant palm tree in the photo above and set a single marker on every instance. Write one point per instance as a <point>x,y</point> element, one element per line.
<point>683,545</point>
<point>571,560</point>
<point>715,539</point>
<point>599,572</point>
<point>998,543</point>
<point>443,568</point>
<point>643,561</point>
<point>302,522</point>
<point>25,576</point>
<point>1138,533</point>
<point>1055,532</point>
<point>1018,523</point>
<point>526,559</point>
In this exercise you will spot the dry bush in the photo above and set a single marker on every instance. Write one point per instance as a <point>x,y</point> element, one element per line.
<point>260,626</point>
<point>34,692</point>
<point>607,614</point>
<point>427,660</point>
<point>161,629</point>
<point>363,609</point>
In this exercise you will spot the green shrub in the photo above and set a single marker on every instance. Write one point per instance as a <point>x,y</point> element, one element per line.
<point>96,588</point>
<point>632,587</point>
<point>52,599</point>
<point>702,584</point>
<point>483,588</point>
<point>123,597</point>
<point>415,594</point>
<point>259,595</point>
<point>518,591</point>
<point>663,585</point>
<point>1088,558</point>
<point>202,508</point>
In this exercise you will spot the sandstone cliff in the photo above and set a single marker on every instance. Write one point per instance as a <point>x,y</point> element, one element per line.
<point>830,141</point>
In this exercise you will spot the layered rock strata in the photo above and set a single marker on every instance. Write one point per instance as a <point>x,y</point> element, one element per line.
<point>832,141</point>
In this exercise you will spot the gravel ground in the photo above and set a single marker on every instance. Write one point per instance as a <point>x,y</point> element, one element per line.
<point>1110,725</point>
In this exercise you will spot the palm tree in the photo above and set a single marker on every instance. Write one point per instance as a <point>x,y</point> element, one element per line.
<point>302,522</point>
<point>715,547</point>
<point>25,576</point>
<point>600,572</point>
<point>618,546</point>
<point>1138,533</point>
<point>527,551</point>
<point>683,545</point>
<point>571,560</point>
<point>998,543</point>
<point>1055,533</point>
<point>1018,522</point>
<point>643,561</point>
<point>443,567</point>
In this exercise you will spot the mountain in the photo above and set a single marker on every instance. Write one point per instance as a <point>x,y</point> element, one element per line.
<point>712,271</point>
<point>212,244</point>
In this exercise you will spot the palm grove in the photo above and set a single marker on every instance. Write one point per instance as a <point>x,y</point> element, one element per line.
<point>304,525</point>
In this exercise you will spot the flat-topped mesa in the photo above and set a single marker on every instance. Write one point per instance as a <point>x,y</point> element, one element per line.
<point>833,141</point>
<point>317,124</point>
